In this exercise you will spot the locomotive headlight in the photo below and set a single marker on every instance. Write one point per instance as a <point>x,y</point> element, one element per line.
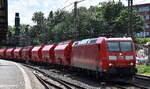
<point>110,64</point>
<point>131,64</point>
<point>129,57</point>
<point>112,58</point>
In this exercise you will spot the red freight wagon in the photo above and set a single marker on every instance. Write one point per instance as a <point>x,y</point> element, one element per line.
<point>18,53</point>
<point>26,53</point>
<point>2,53</point>
<point>37,53</point>
<point>63,53</point>
<point>10,53</point>
<point>48,53</point>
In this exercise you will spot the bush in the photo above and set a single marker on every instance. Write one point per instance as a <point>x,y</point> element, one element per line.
<point>141,40</point>
<point>143,69</point>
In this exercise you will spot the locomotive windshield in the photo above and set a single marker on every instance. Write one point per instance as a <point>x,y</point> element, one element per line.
<point>119,46</point>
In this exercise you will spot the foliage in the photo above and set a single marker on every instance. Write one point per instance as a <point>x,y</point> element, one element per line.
<point>116,18</point>
<point>3,47</point>
<point>143,69</point>
<point>110,20</point>
<point>38,18</point>
<point>11,29</point>
<point>145,40</point>
<point>138,40</point>
<point>123,19</point>
<point>141,40</point>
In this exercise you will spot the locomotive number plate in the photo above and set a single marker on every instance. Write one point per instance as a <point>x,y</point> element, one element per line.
<point>120,57</point>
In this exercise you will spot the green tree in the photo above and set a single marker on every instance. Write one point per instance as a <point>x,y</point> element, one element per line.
<point>38,18</point>
<point>62,26</point>
<point>116,19</point>
<point>40,29</point>
<point>122,22</point>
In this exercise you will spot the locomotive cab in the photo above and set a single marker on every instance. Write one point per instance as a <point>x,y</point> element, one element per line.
<point>121,58</point>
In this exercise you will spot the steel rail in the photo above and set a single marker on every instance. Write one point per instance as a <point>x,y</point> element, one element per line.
<point>46,83</point>
<point>141,81</point>
<point>66,84</point>
<point>143,77</point>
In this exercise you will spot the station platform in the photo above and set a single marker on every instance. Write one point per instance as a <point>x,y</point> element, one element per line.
<point>15,76</point>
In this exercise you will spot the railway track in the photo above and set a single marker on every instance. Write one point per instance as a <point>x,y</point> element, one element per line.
<point>146,78</point>
<point>123,85</point>
<point>49,81</point>
<point>45,83</point>
<point>141,81</point>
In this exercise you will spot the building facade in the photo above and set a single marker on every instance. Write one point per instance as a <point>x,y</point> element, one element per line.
<point>144,10</point>
<point>3,21</point>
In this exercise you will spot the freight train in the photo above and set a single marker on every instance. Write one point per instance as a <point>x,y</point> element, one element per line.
<point>107,57</point>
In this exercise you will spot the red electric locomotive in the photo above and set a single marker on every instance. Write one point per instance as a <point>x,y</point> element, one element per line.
<point>107,56</point>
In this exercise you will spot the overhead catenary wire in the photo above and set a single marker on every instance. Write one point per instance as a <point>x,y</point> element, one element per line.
<point>70,4</point>
<point>67,1</point>
<point>67,6</point>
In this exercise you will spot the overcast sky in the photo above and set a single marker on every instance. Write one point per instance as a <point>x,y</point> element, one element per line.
<point>26,8</point>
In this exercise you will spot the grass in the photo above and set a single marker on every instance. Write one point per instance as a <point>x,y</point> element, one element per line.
<point>3,46</point>
<point>143,69</point>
